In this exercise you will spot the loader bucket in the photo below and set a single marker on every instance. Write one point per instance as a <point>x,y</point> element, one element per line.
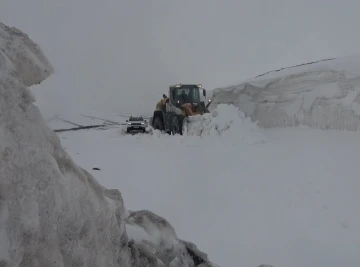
<point>193,125</point>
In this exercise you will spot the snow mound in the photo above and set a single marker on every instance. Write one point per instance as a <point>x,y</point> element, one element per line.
<point>323,95</point>
<point>225,121</point>
<point>52,212</point>
<point>157,238</point>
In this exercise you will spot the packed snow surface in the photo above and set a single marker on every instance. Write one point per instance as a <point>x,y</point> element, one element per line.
<point>286,199</point>
<point>53,212</point>
<point>323,95</point>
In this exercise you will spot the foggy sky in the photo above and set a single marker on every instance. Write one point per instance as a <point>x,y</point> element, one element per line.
<point>120,56</point>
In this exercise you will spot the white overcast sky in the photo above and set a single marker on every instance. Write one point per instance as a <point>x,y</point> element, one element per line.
<point>121,55</point>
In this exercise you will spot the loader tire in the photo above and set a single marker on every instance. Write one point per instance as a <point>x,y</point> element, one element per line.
<point>176,125</point>
<point>158,124</point>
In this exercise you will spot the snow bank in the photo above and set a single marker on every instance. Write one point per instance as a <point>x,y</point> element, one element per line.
<point>52,212</point>
<point>156,237</point>
<point>225,121</point>
<point>323,95</point>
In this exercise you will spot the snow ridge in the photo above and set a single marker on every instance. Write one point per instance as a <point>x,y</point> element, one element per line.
<point>323,95</point>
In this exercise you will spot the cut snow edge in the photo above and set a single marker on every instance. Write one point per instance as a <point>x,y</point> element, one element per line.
<point>323,95</point>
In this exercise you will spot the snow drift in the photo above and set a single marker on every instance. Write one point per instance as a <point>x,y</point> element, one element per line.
<point>52,212</point>
<point>323,95</point>
<point>225,121</point>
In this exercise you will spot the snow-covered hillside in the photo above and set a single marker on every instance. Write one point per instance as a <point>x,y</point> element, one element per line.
<point>324,95</point>
<point>52,211</point>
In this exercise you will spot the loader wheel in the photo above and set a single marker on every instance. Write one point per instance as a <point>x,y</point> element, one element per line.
<point>158,124</point>
<point>176,125</point>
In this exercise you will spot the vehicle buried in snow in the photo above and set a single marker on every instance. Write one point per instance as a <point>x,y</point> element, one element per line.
<point>185,100</point>
<point>136,124</point>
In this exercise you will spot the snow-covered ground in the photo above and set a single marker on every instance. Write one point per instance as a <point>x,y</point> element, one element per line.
<point>285,197</point>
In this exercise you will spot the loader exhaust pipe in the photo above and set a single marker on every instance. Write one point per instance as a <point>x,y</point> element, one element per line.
<point>208,104</point>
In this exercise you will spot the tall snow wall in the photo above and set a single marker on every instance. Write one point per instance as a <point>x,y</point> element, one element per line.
<point>323,95</point>
<point>53,212</point>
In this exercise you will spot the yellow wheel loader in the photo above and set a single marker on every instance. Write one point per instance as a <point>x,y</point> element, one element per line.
<point>184,101</point>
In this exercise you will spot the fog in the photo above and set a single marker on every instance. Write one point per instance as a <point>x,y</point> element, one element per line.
<point>120,56</point>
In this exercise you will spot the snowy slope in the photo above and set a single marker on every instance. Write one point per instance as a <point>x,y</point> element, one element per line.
<point>324,95</point>
<point>53,212</point>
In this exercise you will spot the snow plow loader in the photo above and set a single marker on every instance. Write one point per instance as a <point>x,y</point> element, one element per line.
<point>173,112</point>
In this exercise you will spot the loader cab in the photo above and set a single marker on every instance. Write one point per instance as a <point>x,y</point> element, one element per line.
<point>186,93</point>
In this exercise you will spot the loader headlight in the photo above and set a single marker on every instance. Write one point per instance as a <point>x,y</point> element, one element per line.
<point>142,123</point>
<point>129,123</point>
